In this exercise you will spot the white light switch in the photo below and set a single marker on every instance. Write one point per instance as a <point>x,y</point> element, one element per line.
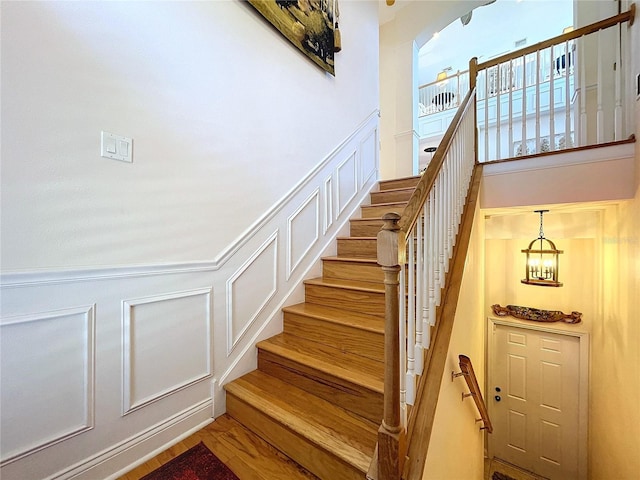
<point>116,147</point>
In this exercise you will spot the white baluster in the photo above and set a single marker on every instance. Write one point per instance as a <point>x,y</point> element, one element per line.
<point>600,112</point>
<point>537,113</point>
<point>402,302</point>
<point>524,105</point>
<point>426,337</point>
<point>486,116</point>
<point>498,91</point>
<point>568,94</point>
<point>583,94</point>
<point>411,318</point>
<point>617,113</point>
<point>510,151</point>
<point>420,293</point>
<point>431,259</point>
<point>552,122</point>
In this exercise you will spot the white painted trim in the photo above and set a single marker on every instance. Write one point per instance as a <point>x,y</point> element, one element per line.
<point>89,373</point>
<point>583,388</point>
<point>231,342</point>
<point>328,204</point>
<point>315,195</point>
<point>341,206</point>
<point>363,179</point>
<point>127,307</point>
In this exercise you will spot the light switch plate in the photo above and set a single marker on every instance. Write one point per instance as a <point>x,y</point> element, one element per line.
<point>116,147</point>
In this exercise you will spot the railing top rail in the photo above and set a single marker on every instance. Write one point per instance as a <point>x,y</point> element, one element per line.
<point>627,16</point>
<point>418,198</point>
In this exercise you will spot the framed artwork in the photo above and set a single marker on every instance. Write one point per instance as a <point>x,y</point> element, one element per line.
<point>308,24</point>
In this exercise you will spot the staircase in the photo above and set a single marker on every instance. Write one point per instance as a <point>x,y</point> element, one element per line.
<point>317,395</point>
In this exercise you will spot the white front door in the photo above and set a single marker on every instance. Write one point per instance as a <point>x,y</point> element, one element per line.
<point>533,399</point>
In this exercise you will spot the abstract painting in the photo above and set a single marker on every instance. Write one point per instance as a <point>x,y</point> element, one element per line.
<point>308,24</point>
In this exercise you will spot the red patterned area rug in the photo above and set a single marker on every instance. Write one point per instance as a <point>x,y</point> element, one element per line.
<point>197,463</point>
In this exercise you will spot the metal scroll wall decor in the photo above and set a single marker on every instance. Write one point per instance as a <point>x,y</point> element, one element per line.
<point>311,25</point>
<point>535,314</point>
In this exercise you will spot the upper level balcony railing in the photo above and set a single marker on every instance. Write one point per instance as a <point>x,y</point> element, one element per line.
<point>561,93</point>
<point>443,94</point>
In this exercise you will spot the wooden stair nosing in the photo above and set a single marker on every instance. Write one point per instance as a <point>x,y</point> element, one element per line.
<point>337,258</point>
<point>320,358</point>
<point>337,316</point>
<point>394,190</point>
<point>301,416</point>
<point>355,285</point>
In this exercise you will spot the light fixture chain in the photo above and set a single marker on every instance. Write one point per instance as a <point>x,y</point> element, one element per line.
<point>541,232</point>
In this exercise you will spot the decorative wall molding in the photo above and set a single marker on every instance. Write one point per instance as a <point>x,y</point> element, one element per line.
<point>296,230</point>
<point>347,182</point>
<point>31,405</point>
<point>367,151</point>
<point>269,246</point>
<point>328,204</point>
<point>132,333</point>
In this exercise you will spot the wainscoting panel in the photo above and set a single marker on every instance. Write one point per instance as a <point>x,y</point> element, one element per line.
<point>347,180</point>
<point>368,166</point>
<point>249,290</point>
<point>167,345</point>
<point>303,230</point>
<point>47,379</point>
<point>328,204</point>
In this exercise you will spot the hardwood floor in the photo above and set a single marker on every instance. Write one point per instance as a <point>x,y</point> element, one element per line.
<point>246,454</point>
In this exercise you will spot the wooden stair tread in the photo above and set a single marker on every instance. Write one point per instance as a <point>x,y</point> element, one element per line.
<point>335,315</point>
<point>399,189</point>
<point>347,436</point>
<point>365,220</point>
<point>404,182</point>
<point>356,369</point>
<point>346,284</point>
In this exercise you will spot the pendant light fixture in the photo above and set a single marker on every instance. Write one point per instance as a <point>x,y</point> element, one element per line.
<point>542,260</point>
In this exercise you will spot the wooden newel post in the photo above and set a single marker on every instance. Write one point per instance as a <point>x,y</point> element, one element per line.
<point>391,435</point>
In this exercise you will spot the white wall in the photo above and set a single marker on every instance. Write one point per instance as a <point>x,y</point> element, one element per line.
<point>225,115</point>
<point>400,40</point>
<point>132,292</point>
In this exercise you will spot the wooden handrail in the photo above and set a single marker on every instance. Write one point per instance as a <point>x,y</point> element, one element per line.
<point>476,393</point>
<point>627,16</point>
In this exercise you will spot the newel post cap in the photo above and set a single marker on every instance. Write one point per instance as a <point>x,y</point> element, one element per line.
<point>388,240</point>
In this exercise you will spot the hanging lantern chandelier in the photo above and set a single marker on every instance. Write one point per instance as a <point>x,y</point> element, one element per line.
<point>542,260</point>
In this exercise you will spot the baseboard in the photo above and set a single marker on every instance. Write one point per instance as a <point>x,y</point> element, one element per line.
<point>136,450</point>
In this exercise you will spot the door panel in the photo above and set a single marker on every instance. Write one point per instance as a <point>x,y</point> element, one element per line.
<point>534,408</point>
